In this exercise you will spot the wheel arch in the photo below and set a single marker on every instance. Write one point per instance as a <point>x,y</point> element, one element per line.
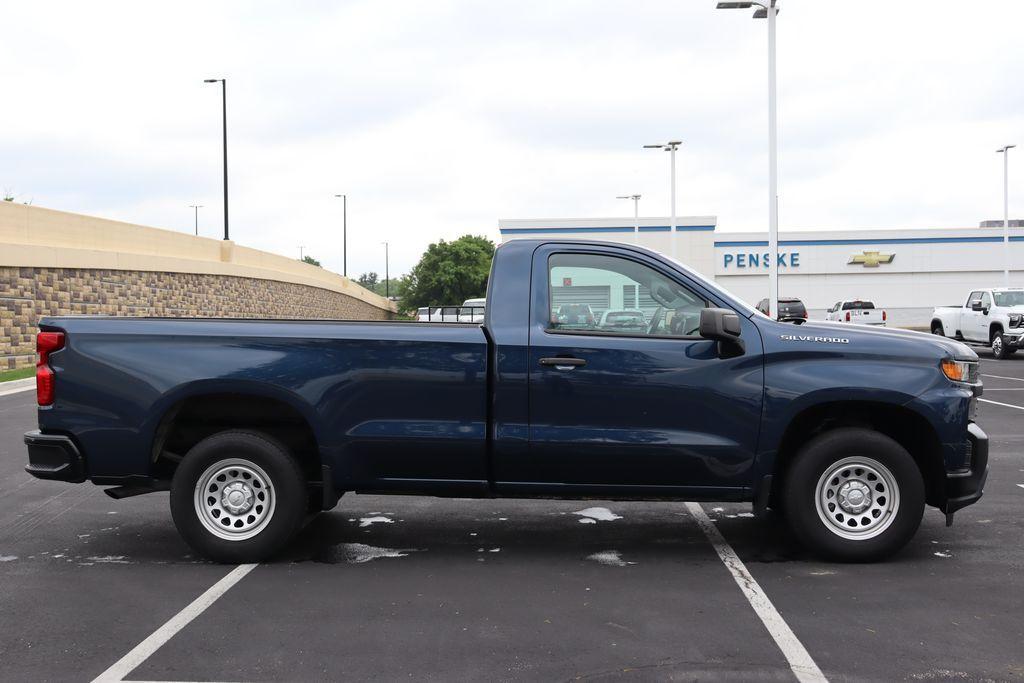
<point>195,413</point>
<point>907,427</point>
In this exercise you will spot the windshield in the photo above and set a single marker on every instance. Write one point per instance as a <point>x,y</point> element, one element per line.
<point>745,308</point>
<point>1013,297</point>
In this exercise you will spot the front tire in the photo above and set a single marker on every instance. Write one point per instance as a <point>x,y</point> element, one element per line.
<point>238,496</point>
<point>854,495</point>
<point>999,350</point>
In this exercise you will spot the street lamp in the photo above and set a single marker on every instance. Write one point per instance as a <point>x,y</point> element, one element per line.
<point>387,277</point>
<point>1005,151</point>
<point>671,147</point>
<point>773,163</point>
<point>224,113</point>
<point>196,207</point>
<point>636,213</point>
<point>344,234</point>
<point>301,257</point>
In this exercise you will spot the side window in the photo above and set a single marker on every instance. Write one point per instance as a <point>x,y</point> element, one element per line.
<point>986,300</point>
<point>591,293</point>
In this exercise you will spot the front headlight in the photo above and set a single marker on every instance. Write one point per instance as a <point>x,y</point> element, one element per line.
<point>1015,319</point>
<point>960,370</point>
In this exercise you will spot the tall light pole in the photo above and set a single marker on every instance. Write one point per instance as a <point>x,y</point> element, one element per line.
<point>636,237</point>
<point>196,207</point>
<point>344,234</point>
<point>768,10</point>
<point>224,113</point>
<point>1005,151</point>
<point>636,213</point>
<point>671,147</point>
<point>301,258</point>
<point>387,277</point>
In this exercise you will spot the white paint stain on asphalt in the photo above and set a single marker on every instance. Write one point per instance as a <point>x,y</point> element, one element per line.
<point>597,514</point>
<point>1021,485</point>
<point>8,558</point>
<point>358,553</point>
<point>943,554</point>
<point>611,558</point>
<point>588,520</point>
<point>109,559</point>
<point>367,521</point>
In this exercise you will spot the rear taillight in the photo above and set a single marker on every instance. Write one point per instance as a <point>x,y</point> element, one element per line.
<point>46,343</point>
<point>805,314</point>
<point>883,316</point>
<point>847,316</point>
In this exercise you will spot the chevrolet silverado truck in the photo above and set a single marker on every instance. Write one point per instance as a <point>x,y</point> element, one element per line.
<point>255,425</point>
<point>990,317</point>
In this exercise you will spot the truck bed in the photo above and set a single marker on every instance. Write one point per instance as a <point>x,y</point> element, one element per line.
<point>375,387</point>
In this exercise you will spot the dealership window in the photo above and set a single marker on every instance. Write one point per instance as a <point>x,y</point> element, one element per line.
<point>612,295</point>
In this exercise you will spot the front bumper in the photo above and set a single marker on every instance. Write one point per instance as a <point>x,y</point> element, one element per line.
<point>1014,339</point>
<point>965,487</point>
<point>54,456</point>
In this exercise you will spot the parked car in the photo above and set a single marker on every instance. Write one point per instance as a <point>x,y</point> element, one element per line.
<point>574,315</point>
<point>989,317</point>
<point>626,319</point>
<point>791,310</point>
<point>254,424</point>
<point>856,311</point>
<point>472,310</point>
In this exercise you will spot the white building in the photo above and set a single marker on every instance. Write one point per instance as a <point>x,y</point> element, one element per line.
<point>907,272</point>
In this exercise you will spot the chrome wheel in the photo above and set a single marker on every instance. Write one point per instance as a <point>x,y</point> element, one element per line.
<point>857,498</point>
<point>997,345</point>
<point>234,499</point>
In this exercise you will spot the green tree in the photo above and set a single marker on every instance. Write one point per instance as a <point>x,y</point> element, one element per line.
<point>310,260</point>
<point>368,280</point>
<point>447,273</point>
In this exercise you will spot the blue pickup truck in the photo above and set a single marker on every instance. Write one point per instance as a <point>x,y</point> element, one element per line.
<point>254,425</point>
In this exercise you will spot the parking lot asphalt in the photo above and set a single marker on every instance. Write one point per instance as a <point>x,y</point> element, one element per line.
<point>434,589</point>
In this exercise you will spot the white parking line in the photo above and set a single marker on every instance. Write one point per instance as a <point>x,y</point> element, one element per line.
<point>997,403</point>
<point>1021,485</point>
<point>159,637</point>
<point>1015,379</point>
<point>799,659</point>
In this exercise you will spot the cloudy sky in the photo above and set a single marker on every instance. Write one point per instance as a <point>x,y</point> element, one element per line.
<point>438,118</point>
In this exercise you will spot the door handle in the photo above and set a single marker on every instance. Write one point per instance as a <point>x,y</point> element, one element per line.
<point>563,363</point>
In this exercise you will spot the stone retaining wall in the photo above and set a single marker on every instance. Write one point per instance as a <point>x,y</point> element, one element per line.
<point>28,293</point>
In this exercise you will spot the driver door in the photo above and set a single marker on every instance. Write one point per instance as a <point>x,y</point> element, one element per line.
<point>657,408</point>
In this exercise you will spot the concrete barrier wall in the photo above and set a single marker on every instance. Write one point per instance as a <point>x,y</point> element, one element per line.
<point>58,263</point>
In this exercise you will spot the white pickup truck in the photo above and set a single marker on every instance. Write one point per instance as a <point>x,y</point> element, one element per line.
<point>856,311</point>
<point>989,317</point>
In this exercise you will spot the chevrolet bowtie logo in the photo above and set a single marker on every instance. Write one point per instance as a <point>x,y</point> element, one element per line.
<point>871,259</point>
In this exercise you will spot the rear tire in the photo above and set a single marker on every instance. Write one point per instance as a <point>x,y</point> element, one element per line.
<point>238,496</point>
<point>937,328</point>
<point>854,495</point>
